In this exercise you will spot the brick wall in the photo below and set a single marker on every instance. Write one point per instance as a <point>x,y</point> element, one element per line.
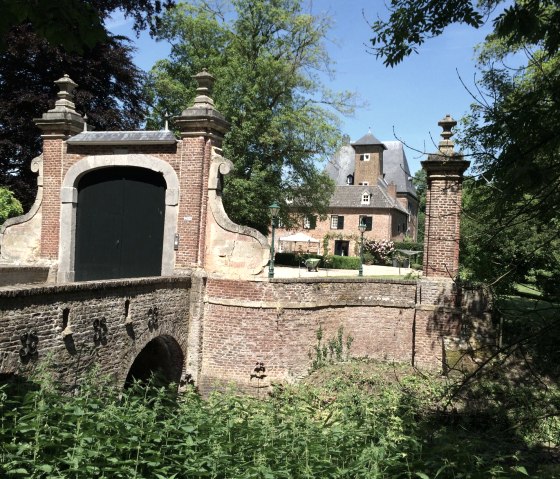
<point>276,323</point>
<point>222,328</point>
<point>63,317</point>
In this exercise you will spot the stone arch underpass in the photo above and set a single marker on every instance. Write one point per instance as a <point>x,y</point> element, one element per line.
<point>163,357</point>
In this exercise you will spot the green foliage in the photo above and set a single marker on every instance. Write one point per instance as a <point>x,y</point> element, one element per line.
<point>350,420</point>
<point>411,22</point>
<point>334,350</point>
<point>329,261</point>
<point>9,205</point>
<point>293,259</point>
<point>266,56</point>
<point>344,262</point>
<point>77,25</point>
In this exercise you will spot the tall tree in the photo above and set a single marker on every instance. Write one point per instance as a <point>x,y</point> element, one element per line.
<point>266,56</point>
<point>110,93</point>
<point>412,22</point>
<point>75,25</point>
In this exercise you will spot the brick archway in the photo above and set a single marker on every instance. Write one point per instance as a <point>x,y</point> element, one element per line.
<point>69,203</point>
<point>162,356</point>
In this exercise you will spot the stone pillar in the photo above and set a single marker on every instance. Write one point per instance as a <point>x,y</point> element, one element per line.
<point>444,171</point>
<point>57,125</point>
<point>202,127</point>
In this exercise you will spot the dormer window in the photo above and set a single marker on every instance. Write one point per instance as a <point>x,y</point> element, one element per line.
<point>365,198</point>
<point>350,180</point>
<point>364,157</point>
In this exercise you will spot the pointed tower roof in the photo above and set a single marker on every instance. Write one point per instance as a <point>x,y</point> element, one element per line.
<point>368,140</point>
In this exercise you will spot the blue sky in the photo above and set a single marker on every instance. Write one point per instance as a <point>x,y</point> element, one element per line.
<point>407,100</point>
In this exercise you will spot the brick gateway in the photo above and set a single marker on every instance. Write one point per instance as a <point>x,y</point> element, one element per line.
<point>212,314</point>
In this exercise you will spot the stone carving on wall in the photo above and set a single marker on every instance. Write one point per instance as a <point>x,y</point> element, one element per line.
<point>232,250</point>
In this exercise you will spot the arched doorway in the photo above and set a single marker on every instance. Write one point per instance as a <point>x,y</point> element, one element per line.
<point>119,223</point>
<point>162,356</point>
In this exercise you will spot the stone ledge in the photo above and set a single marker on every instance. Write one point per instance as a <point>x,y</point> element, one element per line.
<point>33,289</point>
<point>241,303</point>
<point>334,279</point>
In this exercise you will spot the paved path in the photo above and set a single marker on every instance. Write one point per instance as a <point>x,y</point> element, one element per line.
<point>373,270</point>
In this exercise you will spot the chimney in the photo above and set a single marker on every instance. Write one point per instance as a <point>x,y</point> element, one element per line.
<point>392,190</point>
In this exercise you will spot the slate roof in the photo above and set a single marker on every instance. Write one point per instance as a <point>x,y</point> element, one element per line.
<point>351,197</point>
<point>123,138</point>
<point>395,166</point>
<point>368,139</point>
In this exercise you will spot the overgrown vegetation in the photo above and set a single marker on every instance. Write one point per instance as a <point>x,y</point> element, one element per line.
<point>352,420</point>
<point>332,351</point>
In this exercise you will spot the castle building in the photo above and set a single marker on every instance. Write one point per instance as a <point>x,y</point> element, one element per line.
<point>374,187</point>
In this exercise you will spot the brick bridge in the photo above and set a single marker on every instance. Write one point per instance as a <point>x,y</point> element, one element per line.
<point>196,303</point>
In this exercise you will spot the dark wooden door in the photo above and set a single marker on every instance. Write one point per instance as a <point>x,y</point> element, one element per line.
<point>119,224</point>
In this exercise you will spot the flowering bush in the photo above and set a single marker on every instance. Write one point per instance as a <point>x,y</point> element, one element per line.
<point>380,250</point>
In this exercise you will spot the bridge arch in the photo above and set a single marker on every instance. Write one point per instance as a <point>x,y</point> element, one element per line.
<point>162,355</point>
<point>69,205</point>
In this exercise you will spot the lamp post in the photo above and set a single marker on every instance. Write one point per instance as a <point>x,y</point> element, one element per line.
<point>274,209</point>
<point>362,228</point>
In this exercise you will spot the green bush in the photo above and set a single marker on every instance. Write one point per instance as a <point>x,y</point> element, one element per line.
<point>330,262</point>
<point>344,262</point>
<point>9,205</point>
<point>293,259</point>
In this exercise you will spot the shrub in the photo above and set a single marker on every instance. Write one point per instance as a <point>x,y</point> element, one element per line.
<point>9,205</point>
<point>344,262</point>
<point>380,250</point>
<point>293,259</point>
<point>331,262</point>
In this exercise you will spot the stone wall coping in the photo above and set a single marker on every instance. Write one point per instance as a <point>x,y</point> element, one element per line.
<point>324,279</point>
<point>320,304</point>
<point>101,285</point>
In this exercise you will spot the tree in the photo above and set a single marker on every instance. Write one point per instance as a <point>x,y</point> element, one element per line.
<point>266,57</point>
<point>110,93</point>
<point>411,22</point>
<point>9,205</point>
<point>75,25</point>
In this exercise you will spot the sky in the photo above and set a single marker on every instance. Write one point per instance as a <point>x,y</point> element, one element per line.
<point>404,102</point>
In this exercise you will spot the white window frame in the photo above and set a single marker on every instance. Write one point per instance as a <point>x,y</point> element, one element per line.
<point>364,157</point>
<point>334,222</point>
<point>366,198</point>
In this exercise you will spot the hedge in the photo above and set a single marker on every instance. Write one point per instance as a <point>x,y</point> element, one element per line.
<point>335,262</point>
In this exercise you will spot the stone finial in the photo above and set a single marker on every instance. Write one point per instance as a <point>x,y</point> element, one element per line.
<point>62,120</point>
<point>205,83</point>
<point>202,118</point>
<point>446,144</point>
<point>66,94</point>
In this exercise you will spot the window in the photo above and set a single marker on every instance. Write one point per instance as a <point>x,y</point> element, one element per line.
<point>350,180</point>
<point>309,222</point>
<point>368,221</point>
<point>364,183</point>
<point>337,222</point>
<point>365,198</point>
<point>364,157</point>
